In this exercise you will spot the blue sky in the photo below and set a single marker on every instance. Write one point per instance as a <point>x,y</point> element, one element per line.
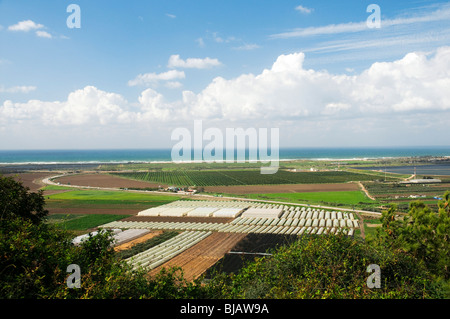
<point>136,70</point>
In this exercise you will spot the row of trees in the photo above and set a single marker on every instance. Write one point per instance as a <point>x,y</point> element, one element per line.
<point>412,254</point>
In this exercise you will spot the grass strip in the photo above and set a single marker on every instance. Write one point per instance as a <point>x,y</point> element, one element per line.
<point>84,222</point>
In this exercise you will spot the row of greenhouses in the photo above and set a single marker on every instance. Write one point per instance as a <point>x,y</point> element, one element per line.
<point>233,209</point>
<point>157,255</point>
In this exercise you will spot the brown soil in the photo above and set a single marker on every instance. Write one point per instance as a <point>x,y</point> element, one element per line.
<point>284,188</point>
<point>197,259</point>
<point>104,180</point>
<point>32,180</point>
<point>141,239</point>
<point>178,219</point>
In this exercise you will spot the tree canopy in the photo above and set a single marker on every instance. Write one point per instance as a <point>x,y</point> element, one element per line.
<point>16,200</point>
<point>423,233</point>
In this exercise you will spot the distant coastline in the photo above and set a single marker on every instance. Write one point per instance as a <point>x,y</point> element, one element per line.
<point>124,156</point>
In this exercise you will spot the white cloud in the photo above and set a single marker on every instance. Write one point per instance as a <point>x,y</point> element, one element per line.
<point>43,34</point>
<point>328,29</point>
<point>303,9</point>
<point>86,106</point>
<point>416,83</point>
<point>247,47</point>
<point>172,16</point>
<point>441,14</point>
<point>218,39</point>
<point>176,62</point>
<point>17,89</point>
<point>200,42</point>
<point>154,78</point>
<point>25,26</point>
<point>173,84</point>
<point>29,25</point>
<point>286,93</point>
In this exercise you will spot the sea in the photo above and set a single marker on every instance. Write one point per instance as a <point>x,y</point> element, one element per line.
<point>19,160</point>
<point>8,157</point>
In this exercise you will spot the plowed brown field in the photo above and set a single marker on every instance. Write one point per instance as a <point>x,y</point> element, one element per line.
<point>284,188</point>
<point>141,239</point>
<point>104,180</point>
<point>197,259</point>
<point>32,180</point>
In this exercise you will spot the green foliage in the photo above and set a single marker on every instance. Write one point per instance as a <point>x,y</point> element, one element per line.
<point>17,201</point>
<point>326,267</point>
<point>422,232</point>
<point>33,258</point>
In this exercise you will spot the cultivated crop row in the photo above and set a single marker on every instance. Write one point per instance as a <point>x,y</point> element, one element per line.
<point>165,251</point>
<point>244,177</point>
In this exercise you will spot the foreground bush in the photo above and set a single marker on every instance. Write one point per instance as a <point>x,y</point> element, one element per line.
<point>34,260</point>
<point>327,267</point>
<point>423,233</point>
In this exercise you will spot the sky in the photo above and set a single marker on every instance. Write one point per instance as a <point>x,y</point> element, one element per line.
<point>126,74</point>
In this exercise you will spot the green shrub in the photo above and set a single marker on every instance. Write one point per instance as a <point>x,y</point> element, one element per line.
<point>327,267</point>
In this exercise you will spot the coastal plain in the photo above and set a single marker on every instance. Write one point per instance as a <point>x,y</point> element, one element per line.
<point>83,200</point>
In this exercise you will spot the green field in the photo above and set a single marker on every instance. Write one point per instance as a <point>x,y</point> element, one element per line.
<point>82,222</point>
<point>246,177</point>
<point>56,188</point>
<point>107,199</point>
<point>341,197</point>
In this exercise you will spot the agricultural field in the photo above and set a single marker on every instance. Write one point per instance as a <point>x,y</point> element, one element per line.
<point>197,259</point>
<point>160,238</point>
<point>403,194</point>
<point>250,247</point>
<point>348,198</point>
<point>32,180</point>
<point>302,164</point>
<point>79,224</point>
<point>97,201</point>
<point>103,181</point>
<point>246,177</point>
<point>281,188</point>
